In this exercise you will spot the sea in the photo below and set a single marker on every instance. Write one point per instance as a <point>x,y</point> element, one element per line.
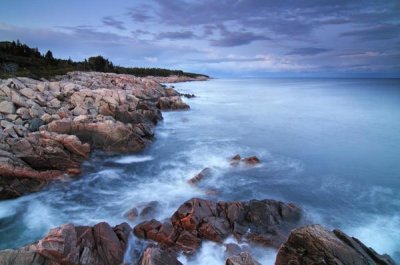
<point>330,146</point>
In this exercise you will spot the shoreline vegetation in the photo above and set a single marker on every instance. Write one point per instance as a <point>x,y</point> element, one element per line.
<point>20,60</point>
<point>49,127</point>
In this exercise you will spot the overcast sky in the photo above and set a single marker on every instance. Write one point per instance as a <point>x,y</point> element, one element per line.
<point>217,37</point>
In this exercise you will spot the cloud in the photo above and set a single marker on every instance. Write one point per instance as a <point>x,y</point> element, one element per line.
<point>176,35</point>
<point>307,51</point>
<point>138,15</point>
<point>380,32</point>
<point>112,22</point>
<point>151,59</point>
<point>237,38</point>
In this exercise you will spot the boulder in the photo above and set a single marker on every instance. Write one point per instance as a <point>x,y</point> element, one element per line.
<point>266,222</point>
<point>157,256</point>
<point>243,258</point>
<point>7,107</point>
<point>206,172</point>
<point>314,244</point>
<point>74,245</point>
<point>252,160</point>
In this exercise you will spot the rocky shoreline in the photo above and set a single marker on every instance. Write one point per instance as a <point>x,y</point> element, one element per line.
<point>51,127</point>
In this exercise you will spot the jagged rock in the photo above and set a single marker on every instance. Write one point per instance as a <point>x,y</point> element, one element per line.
<point>252,160</point>
<point>74,245</point>
<point>157,256</point>
<point>200,176</point>
<point>7,107</point>
<point>243,258</point>
<point>106,111</point>
<point>313,244</point>
<point>171,103</point>
<point>266,222</point>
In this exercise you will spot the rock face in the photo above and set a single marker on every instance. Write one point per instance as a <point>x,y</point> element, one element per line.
<point>314,244</point>
<point>206,172</point>
<point>158,256</point>
<point>243,258</point>
<point>74,245</point>
<point>265,222</point>
<point>177,78</point>
<point>49,128</point>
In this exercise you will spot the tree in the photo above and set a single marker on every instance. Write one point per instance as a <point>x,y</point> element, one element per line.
<point>49,56</point>
<point>98,63</point>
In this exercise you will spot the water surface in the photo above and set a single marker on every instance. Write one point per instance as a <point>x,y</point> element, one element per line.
<point>332,146</point>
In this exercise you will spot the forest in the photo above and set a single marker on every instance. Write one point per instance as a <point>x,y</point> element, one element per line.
<point>18,59</point>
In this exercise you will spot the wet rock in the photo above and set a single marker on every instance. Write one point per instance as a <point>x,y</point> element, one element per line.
<point>132,214</point>
<point>200,176</point>
<point>74,245</point>
<point>171,103</point>
<point>252,160</point>
<point>149,209</point>
<point>232,249</point>
<point>243,258</point>
<point>266,222</point>
<point>235,160</point>
<point>157,256</point>
<point>99,110</point>
<point>249,161</point>
<point>314,244</point>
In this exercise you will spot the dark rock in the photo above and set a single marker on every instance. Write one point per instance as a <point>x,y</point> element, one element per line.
<point>132,214</point>
<point>243,258</point>
<point>35,124</point>
<point>74,245</point>
<point>149,209</point>
<point>314,244</point>
<point>200,176</point>
<point>252,160</point>
<point>157,256</point>
<point>266,222</point>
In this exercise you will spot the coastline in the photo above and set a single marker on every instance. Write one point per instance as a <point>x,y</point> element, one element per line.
<point>51,127</point>
<point>187,214</point>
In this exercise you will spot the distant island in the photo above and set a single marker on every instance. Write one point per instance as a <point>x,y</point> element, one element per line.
<point>17,59</point>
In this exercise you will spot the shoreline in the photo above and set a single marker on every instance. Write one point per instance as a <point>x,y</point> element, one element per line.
<point>51,127</point>
<point>214,225</point>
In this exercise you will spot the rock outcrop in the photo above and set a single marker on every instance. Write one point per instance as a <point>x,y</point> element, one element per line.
<point>74,245</point>
<point>243,258</point>
<point>177,78</point>
<point>50,127</point>
<point>314,244</point>
<point>265,222</point>
<point>157,256</point>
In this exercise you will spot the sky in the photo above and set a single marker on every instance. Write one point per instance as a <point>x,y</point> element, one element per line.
<point>222,38</point>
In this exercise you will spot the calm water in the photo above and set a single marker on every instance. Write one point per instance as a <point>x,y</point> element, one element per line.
<point>331,146</point>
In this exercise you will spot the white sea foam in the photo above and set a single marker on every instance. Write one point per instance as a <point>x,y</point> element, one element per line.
<point>133,159</point>
<point>379,232</point>
<point>212,253</point>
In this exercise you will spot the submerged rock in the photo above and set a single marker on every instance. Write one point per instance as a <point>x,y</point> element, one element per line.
<point>206,172</point>
<point>74,245</point>
<point>266,222</point>
<point>250,161</point>
<point>313,244</point>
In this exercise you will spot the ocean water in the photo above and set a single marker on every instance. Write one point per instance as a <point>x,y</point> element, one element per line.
<point>331,146</point>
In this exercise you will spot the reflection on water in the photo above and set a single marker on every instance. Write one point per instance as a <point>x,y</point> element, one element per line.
<point>330,146</point>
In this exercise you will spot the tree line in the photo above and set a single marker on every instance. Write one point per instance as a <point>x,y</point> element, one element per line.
<point>17,59</point>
